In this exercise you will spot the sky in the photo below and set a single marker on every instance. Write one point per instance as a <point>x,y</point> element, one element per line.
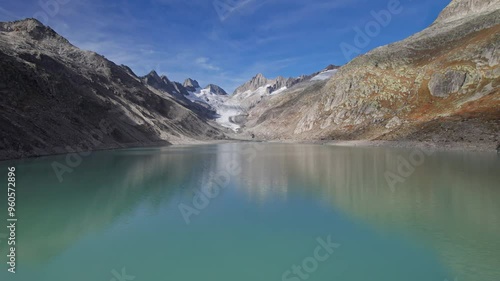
<point>227,42</point>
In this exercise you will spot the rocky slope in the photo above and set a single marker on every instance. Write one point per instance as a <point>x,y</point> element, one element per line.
<point>440,85</point>
<point>56,98</point>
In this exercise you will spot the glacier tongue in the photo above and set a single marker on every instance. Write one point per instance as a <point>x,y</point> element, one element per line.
<point>231,109</point>
<point>218,103</point>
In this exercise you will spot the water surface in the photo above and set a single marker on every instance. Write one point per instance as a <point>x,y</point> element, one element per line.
<point>120,211</point>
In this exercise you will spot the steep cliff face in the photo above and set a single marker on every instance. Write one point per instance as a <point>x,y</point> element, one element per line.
<point>56,98</point>
<point>446,74</point>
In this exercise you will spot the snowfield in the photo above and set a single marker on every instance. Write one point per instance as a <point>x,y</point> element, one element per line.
<point>325,75</point>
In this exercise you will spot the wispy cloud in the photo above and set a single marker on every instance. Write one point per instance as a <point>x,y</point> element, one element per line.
<point>304,10</point>
<point>204,63</point>
<point>183,39</point>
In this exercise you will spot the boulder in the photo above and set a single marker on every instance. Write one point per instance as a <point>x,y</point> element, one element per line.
<point>443,85</point>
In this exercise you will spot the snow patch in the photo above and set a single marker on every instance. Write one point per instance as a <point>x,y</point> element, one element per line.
<point>325,75</point>
<point>279,91</point>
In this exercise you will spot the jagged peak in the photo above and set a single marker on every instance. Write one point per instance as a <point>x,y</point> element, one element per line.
<point>259,79</point>
<point>152,78</point>
<point>259,76</point>
<point>216,89</point>
<point>153,73</point>
<point>191,83</point>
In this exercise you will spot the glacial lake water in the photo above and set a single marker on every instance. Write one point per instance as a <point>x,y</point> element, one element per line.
<point>244,211</point>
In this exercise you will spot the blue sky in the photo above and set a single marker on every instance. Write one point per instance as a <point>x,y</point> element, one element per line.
<point>225,42</point>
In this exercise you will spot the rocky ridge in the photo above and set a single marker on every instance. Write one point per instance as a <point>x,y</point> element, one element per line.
<point>272,85</point>
<point>252,92</point>
<point>56,98</point>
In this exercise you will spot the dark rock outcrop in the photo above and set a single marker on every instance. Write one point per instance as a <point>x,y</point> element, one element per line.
<point>443,85</point>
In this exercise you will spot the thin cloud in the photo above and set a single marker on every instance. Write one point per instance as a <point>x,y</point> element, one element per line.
<point>204,63</point>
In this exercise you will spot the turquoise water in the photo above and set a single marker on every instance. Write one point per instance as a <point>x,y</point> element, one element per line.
<point>119,213</point>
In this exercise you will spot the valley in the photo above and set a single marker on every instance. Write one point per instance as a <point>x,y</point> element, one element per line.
<point>438,86</point>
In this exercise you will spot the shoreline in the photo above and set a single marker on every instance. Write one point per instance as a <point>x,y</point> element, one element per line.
<point>443,146</point>
<point>157,144</point>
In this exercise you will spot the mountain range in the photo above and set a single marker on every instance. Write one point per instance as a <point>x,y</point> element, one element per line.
<point>56,98</point>
<point>440,85</point>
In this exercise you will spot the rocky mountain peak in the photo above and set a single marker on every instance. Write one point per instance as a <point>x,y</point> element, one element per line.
<point>190,83</point>
<point>216,90</point>
<point>32,28</point>
<point>154,80</point>
<point>458,9</point>
<point>260,79</point>
<point>153,74</point>
<point>256,82</point>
